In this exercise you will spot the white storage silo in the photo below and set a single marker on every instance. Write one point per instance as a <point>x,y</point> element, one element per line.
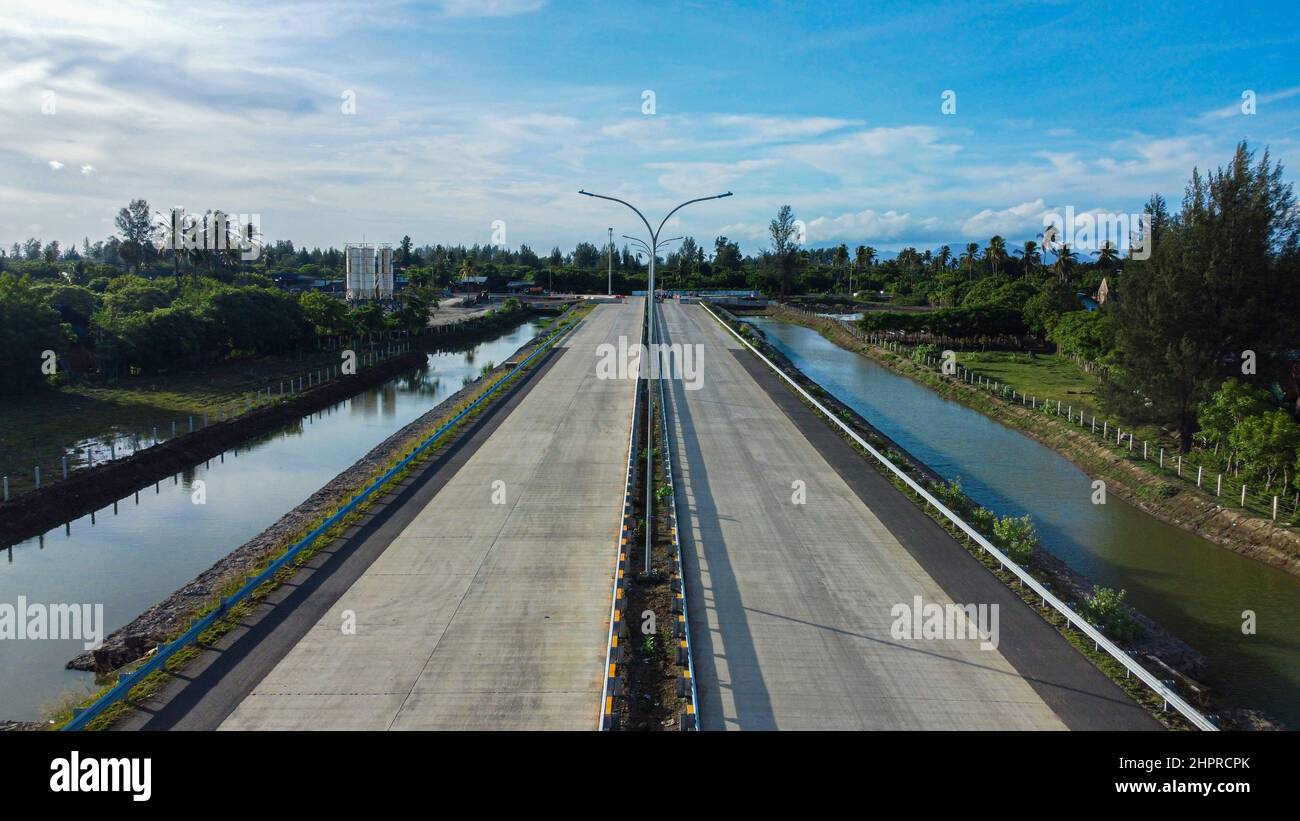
<point>384,273</point>
<point>360,271</point>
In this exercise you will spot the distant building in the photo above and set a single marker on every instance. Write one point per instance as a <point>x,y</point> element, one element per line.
<point>368,271</point>
<point>471,285</point>
<point>1104,291</point>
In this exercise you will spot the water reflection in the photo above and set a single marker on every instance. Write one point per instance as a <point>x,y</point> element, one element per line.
<point>137,550</point>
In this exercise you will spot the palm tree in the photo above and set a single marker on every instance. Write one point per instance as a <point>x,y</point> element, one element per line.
<point>996,253</point>
<point>1065,259</point>
<point>1107,256</point>
<point>863,258</point>
<point>943,258</point>
<point>841,260</point>
<point>1029,257</point>
<point>172,234</point>
<point>238,239</point>
<point>972,254</point>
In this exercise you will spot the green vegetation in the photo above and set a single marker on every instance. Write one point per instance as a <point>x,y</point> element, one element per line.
<point>1047,376</point>
<point>1191,351</point>
<point>1014,536</point>
<point>1223,280</point>
<point>1105,610</point>
<point>28,327</point>
<point>973,322</point>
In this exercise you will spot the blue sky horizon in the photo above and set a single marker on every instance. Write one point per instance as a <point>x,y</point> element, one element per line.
<point>927,124</point>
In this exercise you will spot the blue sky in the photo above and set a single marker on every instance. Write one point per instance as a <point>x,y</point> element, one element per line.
<point>467,113</point>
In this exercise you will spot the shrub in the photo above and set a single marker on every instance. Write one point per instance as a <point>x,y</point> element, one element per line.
<point>921,352</point>
<point>950,494</point>
<point>1016,537</point>
<point>28,328</point>
<point>1105,609</point>
<point>984,519</point>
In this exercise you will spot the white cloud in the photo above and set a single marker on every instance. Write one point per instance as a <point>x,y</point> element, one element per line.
<point>770,129</point>
<point>1027,217</point>
<point>247,118</point>
<point>488,8</point>
<point>850,154</point>
<point>703,178</point>
<point>1234,109</point>
<point>868,225</point>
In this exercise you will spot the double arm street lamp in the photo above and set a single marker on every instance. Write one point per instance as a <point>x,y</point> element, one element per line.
<point>640,243</point>
<point>652,247</point>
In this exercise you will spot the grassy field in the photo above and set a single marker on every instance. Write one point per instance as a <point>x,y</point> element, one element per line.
<point>1047,376</point>
<point>1055,377</point>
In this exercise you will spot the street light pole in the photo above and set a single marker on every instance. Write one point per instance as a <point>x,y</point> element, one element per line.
<point>650,347</point>
<point>611,262</point>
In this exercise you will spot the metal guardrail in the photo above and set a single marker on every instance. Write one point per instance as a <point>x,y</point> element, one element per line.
<point>681,624</point>
<point>129,680</point>
<point>1099,641</point>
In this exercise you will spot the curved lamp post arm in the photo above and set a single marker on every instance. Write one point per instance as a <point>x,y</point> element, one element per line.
<point>680,207</point>
<point>638,241</point>
<point>658,244</point>
<point>624,202</point>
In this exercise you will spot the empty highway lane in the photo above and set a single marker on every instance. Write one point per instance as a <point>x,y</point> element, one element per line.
<point>796,554</point>
<point>490,609</point>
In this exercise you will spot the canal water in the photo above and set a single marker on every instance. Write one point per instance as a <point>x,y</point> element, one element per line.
<point>157,541</point>
<point>1193,587</point>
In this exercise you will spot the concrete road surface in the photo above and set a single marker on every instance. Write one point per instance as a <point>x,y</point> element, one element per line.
<point>791,605</point>
<point>486,612</point>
